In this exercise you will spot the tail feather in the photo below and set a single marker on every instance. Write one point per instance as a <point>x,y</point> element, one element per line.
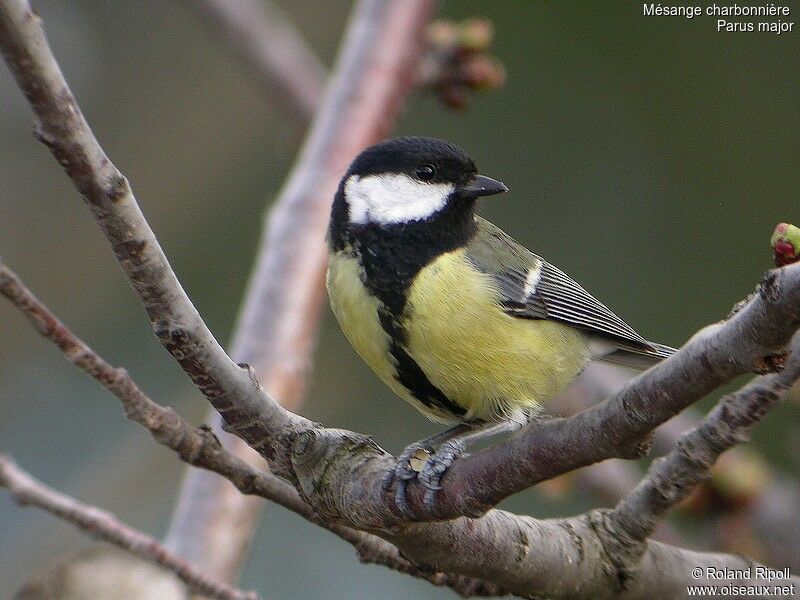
<point>638,358</point>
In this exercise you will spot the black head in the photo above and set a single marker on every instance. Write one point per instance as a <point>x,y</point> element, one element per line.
<point>427,160</point>
<point>407,180</point>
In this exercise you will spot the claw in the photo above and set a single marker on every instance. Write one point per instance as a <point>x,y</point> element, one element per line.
<point>437,465</point>
<point>430,473</point>
<point>400,500</point>
<point>403,472</point>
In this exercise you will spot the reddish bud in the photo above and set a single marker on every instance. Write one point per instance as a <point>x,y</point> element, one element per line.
<point>785,244</point>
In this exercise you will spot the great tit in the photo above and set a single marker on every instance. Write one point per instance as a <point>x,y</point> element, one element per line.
<point>456,317</point>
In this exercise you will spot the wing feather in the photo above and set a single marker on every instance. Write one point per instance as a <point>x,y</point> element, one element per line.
<point>555,294</point>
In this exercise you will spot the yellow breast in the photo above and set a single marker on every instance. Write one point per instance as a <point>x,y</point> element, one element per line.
<point>492,364</point>
<point>357,312</point>
<point>487,361</point>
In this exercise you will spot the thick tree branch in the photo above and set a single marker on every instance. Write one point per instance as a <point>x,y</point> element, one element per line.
<point>276,330</point>
<point>273,50</point>
<point>754,339</point>
<point>199,447</point>
<point>102,525</point>
<point>560,558</point>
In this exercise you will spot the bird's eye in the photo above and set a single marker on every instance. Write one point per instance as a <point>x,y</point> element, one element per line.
<point>426,172</point>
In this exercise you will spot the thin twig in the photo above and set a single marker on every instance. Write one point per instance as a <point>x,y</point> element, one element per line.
<point>195,445</point>
<point>102,525</point>
<point>767,506</point>
<point>231,389</point>
<point>272,49</point>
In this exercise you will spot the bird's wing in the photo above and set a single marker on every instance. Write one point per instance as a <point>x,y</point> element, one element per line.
<point>532,288</point>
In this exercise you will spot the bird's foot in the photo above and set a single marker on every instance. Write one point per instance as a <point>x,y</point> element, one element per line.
<point>409,463</point>
<point>417,460</point>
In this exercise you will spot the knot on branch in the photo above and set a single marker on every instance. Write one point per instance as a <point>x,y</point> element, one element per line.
<point>769,288</point>
<point>622,551</point>
<point>771,363</point>
<point>324,461</point>
<point>118,187</point>
<point>671,483</point>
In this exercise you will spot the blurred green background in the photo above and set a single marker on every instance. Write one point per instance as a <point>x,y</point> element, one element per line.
<point>650,158</point>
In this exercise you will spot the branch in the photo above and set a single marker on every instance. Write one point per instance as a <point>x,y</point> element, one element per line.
<point>231,389</point>
<point>744,497</point>
<point>671,478</point>
<point>744,491</point>
<point>273,50</point>
<point>102,525</point>
<point>195,445</point>
<point>143,261</point>
<point>199,447</point>
<point>370,84</point>
<point>277,327</point>
<point>561,559</point>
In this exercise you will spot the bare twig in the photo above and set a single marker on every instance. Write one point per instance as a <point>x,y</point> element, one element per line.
<point>195,445</point>
<point>272,49</point>
<point>766,505</point>
<point>231,389</point>
<point>199,447</point>
<point>102,525</point>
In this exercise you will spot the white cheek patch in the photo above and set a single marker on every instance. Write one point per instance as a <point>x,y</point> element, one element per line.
<point>392,199</point>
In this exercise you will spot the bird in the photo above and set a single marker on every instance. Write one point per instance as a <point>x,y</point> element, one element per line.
<point>456,317</point>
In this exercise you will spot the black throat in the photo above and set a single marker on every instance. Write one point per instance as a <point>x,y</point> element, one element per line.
<point>391,255</point>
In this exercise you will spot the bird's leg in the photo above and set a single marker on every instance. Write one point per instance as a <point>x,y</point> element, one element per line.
<point>432,473</point>
<point>403,471</point>
<point>443,449</point>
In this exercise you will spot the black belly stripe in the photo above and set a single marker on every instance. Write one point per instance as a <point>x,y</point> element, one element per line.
<point>391,256</point>
<point>411,375</point>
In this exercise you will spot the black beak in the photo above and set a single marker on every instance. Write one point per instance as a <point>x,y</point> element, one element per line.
<point>485,186</point>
